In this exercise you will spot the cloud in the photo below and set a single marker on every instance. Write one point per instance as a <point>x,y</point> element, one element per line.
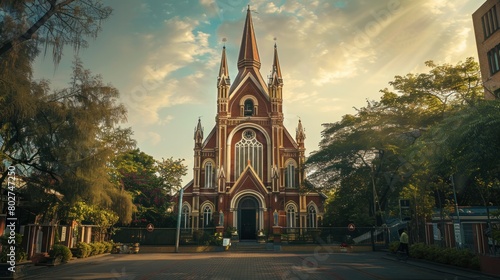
<point>172,71</point>
<point>320,45</point>
<point>148,138</point>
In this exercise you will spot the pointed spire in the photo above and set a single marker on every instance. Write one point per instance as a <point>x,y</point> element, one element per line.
<point>198,133</point>
<point>223,71</point>
<point>276,63</point>
<point>249,54</point>
<point>275,77</point>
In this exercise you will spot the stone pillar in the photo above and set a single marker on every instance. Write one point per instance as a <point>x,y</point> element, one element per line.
<point>277,234</point>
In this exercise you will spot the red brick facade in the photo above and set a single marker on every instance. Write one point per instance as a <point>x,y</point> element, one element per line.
<point>249,170</point>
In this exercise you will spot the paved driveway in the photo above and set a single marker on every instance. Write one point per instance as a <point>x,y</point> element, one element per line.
<point>249,265</point>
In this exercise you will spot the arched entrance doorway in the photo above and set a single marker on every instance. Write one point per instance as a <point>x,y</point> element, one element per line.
<point>248,217</point>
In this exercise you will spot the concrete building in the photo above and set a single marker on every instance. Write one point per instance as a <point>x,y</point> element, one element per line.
<point>486,29</point>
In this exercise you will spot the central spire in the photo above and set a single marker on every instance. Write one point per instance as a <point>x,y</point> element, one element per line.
<point>249,54</point>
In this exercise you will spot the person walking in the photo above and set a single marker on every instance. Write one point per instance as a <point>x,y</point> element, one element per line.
<point>403,243</point>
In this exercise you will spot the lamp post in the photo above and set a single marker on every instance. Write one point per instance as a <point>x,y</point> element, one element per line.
<point>457,226</point>
<point>178,237</point>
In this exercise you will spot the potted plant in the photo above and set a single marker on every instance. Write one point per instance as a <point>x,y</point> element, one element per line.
<point>261,236</point>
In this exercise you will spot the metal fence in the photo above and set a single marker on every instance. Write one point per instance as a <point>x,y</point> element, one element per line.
<point>337,235</point>
<point>379,237</point>
<point>163,236</point>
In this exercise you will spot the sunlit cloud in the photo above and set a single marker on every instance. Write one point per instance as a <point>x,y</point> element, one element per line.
<point>164,57</point>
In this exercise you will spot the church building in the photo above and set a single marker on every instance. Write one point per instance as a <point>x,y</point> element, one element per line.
<point>249,170</point>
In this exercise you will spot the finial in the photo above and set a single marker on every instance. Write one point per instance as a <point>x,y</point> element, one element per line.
<point>248,8</point>
<point>275,39</point>
<point>224,40</point>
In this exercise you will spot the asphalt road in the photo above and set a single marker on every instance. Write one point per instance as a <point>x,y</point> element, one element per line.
<point>250,265</point>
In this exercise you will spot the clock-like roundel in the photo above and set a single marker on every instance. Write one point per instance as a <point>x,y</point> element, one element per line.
<point>248,134</point>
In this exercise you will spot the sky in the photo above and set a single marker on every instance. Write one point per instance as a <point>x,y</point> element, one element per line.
<point>164,56</point>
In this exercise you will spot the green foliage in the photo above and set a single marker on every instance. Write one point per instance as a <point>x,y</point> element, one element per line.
<point>390,148</point>
<point>202,237</point>
<point>20,254</point>
<point>91,214</point>
<point>50,23</point>
<point>452,256</point>
<point>393,246</point>
<point>108,246</point>
<point>150,183</point>
<point>97,248</point>
<point>83,250</point>
<point>228,233</point>
<point>216,239</point>
<point>60,251</point>
<point>467,145</point>
<point>61,141</point>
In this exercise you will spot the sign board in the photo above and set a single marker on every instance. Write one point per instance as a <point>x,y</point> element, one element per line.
<point>351,227</point>
<point>63,233</point>
<point>150,227</point>
<point>226,241</point>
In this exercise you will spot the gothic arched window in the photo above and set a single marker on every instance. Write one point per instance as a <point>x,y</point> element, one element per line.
<point>209,175</point>
<point>185,217</point>
<point>248,108</point>
<point>311,217</point>
<point>248,149</point>
<point>291,216</point>
<point>290,176</point>
<point>207,215</point>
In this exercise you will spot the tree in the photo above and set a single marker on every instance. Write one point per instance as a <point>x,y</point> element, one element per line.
<point>54,23</point>
<point>367,155</point>
<point>150,182</point>
<point>61,141</point>
<point>467,147</point>
<point>83,213</point>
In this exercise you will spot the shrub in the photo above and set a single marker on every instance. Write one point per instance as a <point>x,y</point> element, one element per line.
<point>83,250</point>
<point>93,249</point>
<point>418,250</point>
<point>216,239</point>
<point>452,256</point>
<point>108,246</point>
<point>393,246</point>
<point>60,251</point>
<point>20,254</point>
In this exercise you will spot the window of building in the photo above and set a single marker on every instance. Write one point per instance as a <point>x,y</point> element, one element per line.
<point>207,215</point>
<point>311,217</point>
<point>290,176</point>
<point>490,22</point>
<point>248,108</point>
<point>291,216</point>
<point>209,175</point>
<point>185,217</point>
<point>248,149</point>
<point>494,59</point>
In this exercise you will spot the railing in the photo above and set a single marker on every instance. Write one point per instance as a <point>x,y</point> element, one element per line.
<point>334,235</point>
<point>162,236</point>
<point>322,235</point>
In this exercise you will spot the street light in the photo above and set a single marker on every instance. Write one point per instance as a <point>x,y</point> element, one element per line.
<point>178,237</point>
<point>458,226</point>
